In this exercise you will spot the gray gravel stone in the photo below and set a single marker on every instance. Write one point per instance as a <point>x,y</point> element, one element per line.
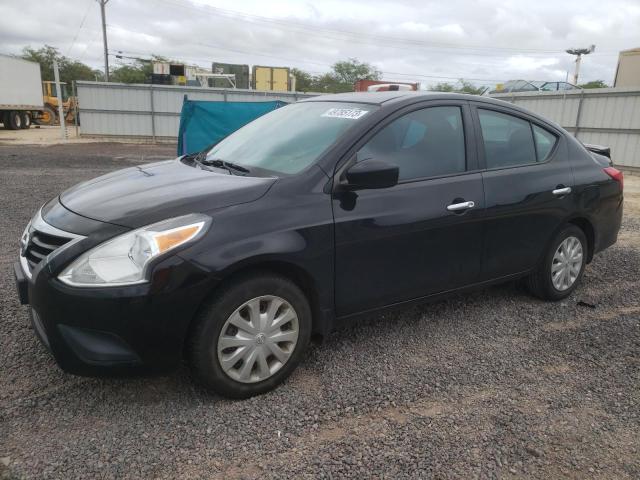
<point>492,384</point>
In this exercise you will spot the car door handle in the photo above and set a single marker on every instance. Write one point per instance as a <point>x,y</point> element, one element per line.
<point>561,191</point>
<point>456,207</point>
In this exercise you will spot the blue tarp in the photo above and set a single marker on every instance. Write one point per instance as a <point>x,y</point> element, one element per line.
<point>203,122</point>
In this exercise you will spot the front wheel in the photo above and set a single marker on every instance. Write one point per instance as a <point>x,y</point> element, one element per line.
<point>563,266</point>
<point>47,116</point>
<point>250,336</point>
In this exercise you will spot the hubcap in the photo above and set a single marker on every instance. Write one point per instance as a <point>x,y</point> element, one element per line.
<point>258,339</point>
<point>566,263</point>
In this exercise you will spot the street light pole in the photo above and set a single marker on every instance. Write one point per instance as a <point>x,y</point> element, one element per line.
<point>104,40</point>
<point>578,52</point>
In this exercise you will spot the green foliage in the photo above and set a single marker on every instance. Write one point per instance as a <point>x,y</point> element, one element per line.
<point>69,69</point>
<point>340,79</point>
<point>442,87</point>
<point>352,70</point>
<point>468,87</point>
<point>304,80</point>
<point>328,83</point>
<point>462,86</point>
<point>594,84</point>
<point>137,72</point>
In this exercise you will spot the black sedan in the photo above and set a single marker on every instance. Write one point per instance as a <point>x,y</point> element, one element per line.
<point>329,208</point>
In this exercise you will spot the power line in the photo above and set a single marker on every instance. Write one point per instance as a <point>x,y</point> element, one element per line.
<point>308,62</point>
<point>361,37</point>
<point>79,28</point>
<point>414,75</point>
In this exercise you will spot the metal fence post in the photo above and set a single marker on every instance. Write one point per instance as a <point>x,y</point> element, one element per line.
<point>153,111</point>
<point>75,106</point>
<point>575,133</point>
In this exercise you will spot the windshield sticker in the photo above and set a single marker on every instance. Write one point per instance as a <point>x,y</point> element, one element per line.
<point>352,113</point>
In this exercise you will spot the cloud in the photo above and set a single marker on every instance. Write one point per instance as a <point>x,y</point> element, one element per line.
<point>428,41</point>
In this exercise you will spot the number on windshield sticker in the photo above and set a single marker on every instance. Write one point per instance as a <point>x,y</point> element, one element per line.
<point>352,113</point>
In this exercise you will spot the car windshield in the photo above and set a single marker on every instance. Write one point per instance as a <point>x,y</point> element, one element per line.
<point>291,138</point>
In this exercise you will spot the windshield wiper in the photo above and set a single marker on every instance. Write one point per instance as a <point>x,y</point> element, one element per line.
<point>196,156</point>
<point>230,166</point>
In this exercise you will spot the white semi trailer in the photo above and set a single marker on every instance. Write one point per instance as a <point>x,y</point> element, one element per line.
<point>20,92</point>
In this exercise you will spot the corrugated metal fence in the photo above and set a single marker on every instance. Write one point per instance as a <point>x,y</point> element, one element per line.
<point>604,116</point>
<point>151,111</point>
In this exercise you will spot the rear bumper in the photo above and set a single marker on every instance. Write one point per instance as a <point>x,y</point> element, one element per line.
<point>609,223</point>
<point>116,331</point>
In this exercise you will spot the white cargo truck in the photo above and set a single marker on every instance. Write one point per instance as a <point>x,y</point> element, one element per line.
<point>20,92</point>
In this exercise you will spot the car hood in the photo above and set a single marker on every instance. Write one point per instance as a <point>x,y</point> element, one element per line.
<point>141,195</point>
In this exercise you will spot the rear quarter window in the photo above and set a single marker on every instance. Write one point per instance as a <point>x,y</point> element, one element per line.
<point>545,141</point>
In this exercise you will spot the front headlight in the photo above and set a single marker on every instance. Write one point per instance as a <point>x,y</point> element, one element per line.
<point>124,260</point>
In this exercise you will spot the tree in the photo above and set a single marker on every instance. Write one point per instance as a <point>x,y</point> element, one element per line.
<point>594,84</point>
<point>304,80</point>
<point>341,78</point>
<point>69,69</point>
<point>468,87</point>
<point>139,71</point>
<point>352,70</point>
<point>442,87</point>
<point>328,83</point>
<point>462,86</point>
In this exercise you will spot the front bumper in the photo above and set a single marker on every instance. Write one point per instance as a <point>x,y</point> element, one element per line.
<point>115,331</point>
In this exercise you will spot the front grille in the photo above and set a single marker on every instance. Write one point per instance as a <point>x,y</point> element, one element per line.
<point>40,239</point>
<point>40,245</point>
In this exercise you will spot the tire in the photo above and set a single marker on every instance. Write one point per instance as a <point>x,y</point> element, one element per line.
<point>4,118</point>
<point>48,116</point>
<point>541,284</point>
<point>249,376</point>
<point>26,120</point>
<point>14,120</point>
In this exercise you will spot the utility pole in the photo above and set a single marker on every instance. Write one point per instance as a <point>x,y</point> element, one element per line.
<point>578,52</point>
<point>104,39</point>
<point>56,76</point>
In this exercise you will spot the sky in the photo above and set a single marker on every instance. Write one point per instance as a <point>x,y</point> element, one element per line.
<point>428,41</point>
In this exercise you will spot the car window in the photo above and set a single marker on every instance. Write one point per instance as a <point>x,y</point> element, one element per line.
<point>289,139</point>
<point>424,143</point>
<point>545,141</point>
<point>508,140</point>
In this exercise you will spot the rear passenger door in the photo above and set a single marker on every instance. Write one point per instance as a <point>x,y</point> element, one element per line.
<point>527,187</point>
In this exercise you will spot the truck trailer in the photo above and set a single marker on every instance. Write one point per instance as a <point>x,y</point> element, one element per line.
<point>20,92</point>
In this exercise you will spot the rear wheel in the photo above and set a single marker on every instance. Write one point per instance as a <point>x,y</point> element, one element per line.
<point>563,266</point>
<point>14,120</point>
<point>250,336</point>
<point>26,120</point>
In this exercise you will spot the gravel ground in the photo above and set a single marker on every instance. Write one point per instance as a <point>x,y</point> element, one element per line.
<point>493,384</point>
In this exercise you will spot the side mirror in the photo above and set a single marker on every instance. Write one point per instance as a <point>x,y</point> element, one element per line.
<point>372,173</point>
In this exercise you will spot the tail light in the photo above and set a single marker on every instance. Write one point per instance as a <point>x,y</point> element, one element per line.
<point>616,175</point>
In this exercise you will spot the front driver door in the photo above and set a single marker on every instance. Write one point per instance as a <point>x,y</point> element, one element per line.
<point>405,242</point>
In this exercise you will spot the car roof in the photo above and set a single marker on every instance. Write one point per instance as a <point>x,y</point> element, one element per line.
<point>400,98</point>
<point>404,96</point>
